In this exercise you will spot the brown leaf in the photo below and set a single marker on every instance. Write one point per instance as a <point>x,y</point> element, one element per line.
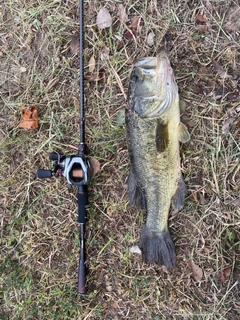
<point>150,38</point>
<point>208,5</point>
<point>226,125</point>
<point>225,273</point>
<point>94,165</point>
<point>200,18</point>
<point>135,24</point>
<point>197,272</point>
<point>30,118</point>
<point>236,202</point>
<point>75,44</point>
<point>132,31</point>
<point>122,13</point>
<point>201,28</point>
<point>104,19</point>
<point>220,70</point>
<point>195,196</point>
<point>102,76</point>
<point>99,76</point>
<point>92,63</point>
<point>105,53</point>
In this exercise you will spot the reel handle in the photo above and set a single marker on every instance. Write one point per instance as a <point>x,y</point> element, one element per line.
<point>42,173</point>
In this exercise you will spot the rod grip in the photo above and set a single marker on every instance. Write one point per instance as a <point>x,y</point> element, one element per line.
<point>82,203</point>
<point>82,269</point>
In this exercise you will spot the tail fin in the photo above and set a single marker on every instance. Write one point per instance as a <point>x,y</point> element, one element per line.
<point>157,247</point>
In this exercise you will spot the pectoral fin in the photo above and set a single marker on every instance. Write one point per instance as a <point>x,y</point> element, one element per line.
<point>183,134</point>
<point>161,135</point>
<point>136,194</point>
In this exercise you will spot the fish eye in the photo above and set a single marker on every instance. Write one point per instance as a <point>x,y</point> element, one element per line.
<point>134,78</point>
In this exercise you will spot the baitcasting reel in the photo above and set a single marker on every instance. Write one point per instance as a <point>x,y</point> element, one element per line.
<point>74,168</point>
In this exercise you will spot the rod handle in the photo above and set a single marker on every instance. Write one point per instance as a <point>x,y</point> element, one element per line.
<point>82,270</point>
<point>82,203</point>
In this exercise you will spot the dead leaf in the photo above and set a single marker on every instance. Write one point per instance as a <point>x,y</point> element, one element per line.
<point>115,305</point>
<point>221,91</point>
<point>121,118</point>
<point>135,25</point>
<point>132,31</point>
<point>105,53</point>
<point>225,273</point>
<point>206,250</point>
<point>119,81</point>
<point>201,23</point>
<point>122,13</point>
<point>102,76</point>
<point>135,249</point>
<point>150,39</point>
<point>236,202</point>
<point>75,44</point>
<point>201,28</point>
<point>195,196</point>
<point>226,125</point>
<point>221,260</point>
<point>99,76</point>
<point>94,165</point>
<point>220,70</point>
<point>200,18</point>
<point>104,19</point>
<point>92,64</point>
<point>30,118</point>
<point>208,5</point>
<point>197,272</point>
<point>191,124</point>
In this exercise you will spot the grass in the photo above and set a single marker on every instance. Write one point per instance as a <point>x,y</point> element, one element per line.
<point>39,229</point>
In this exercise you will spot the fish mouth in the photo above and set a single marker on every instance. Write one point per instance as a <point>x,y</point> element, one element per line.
<point>155,65</point>
<point>163,87</point>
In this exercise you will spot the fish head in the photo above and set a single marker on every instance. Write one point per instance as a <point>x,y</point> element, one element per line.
<point>152,88</point>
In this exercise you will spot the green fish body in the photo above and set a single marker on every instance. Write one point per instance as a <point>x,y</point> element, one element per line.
<point>153,134</point>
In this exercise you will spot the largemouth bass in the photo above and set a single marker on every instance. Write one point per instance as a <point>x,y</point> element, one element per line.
<point>153,134</point>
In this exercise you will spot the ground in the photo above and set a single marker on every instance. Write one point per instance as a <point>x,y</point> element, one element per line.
<point>39,57</point>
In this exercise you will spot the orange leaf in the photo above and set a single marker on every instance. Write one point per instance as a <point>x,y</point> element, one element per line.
<point>94,165</point>
<point>132,31</point>
<point>225,273</point>
<point>30,118</point>
<point>200,18</point>
<point>197,272</point>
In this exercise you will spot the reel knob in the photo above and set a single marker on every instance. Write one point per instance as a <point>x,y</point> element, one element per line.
<point>42,174</point>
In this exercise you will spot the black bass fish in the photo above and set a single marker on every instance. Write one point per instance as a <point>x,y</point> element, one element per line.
<point>153,134</point>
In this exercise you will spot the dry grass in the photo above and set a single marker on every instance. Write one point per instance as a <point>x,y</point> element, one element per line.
<point>39,230</point>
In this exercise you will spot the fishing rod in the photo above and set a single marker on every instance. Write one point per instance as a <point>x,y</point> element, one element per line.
<point>76,169</point>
